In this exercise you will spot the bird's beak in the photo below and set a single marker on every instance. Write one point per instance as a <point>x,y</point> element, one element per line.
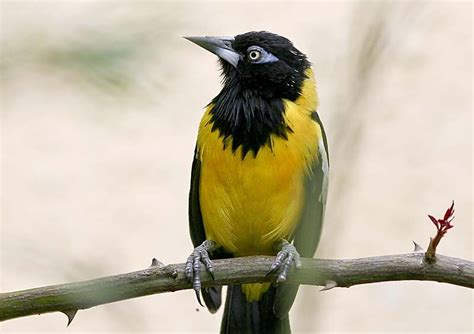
<point>220,46</point>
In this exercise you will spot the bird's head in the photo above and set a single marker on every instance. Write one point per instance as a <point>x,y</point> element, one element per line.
<point>260,62</point>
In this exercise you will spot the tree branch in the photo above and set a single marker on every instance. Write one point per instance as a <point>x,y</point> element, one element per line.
<point>68,298</point>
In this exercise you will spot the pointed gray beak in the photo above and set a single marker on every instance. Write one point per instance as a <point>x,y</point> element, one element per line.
<point>220,46</point>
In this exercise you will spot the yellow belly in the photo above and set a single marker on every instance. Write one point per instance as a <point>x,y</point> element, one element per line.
<point>250,204</point>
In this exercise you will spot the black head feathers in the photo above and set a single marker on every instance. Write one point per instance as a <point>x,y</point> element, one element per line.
<point>260,71</point>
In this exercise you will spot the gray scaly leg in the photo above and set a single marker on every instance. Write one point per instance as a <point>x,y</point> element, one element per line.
<point>192,270</point>
<point>285,259</point>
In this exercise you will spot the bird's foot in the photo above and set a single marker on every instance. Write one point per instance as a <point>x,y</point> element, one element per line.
<point>192,270</point>
<point>285,259</point>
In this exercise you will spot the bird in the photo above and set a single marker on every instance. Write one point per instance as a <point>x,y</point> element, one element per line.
<point>259,178</point>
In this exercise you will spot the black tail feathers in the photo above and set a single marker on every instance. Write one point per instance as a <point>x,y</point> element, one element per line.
<point>242,317</point>
<point>212,298</point>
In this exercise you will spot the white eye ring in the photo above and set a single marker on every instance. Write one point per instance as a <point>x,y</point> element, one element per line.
<point>254,55</point>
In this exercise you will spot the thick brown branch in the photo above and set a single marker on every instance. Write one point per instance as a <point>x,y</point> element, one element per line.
<point>82,295</point>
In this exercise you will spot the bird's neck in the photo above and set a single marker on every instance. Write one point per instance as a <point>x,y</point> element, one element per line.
<point>308,97</point>
<point>247,117</point>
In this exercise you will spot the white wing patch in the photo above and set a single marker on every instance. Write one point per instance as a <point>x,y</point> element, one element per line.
<point>325,167</point>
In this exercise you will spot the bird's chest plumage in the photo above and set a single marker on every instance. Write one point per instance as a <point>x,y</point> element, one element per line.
<point>250,203</point>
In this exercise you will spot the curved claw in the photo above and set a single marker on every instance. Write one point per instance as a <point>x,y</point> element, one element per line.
<point>192,270</point>
<point>198,297</point>
<point>285,259</point>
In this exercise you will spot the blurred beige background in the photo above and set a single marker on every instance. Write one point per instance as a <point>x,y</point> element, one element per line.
<point>100,107</point>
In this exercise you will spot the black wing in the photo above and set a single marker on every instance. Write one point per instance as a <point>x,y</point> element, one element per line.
<point>308,233</point>
<point>212,296</point>
<point>196,226</point>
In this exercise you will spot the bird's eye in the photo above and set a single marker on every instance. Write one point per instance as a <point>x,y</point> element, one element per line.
<point>258,55</point>
<point>254,55</point>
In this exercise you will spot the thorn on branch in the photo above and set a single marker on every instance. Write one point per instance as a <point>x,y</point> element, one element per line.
<point>70,316</point>
<point>156,263</point>
<point>329,285</point>
<point>442,226</point>
<point>418,248</point>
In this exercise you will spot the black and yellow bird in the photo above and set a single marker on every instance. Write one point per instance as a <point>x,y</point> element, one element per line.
<point>259,176</point>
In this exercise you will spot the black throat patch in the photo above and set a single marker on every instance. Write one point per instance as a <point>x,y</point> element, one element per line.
<point>247,118</point>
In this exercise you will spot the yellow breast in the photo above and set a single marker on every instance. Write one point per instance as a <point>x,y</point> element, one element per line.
<point>249,204</point>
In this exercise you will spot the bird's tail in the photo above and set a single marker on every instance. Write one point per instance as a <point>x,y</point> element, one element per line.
<point>245,317</point>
